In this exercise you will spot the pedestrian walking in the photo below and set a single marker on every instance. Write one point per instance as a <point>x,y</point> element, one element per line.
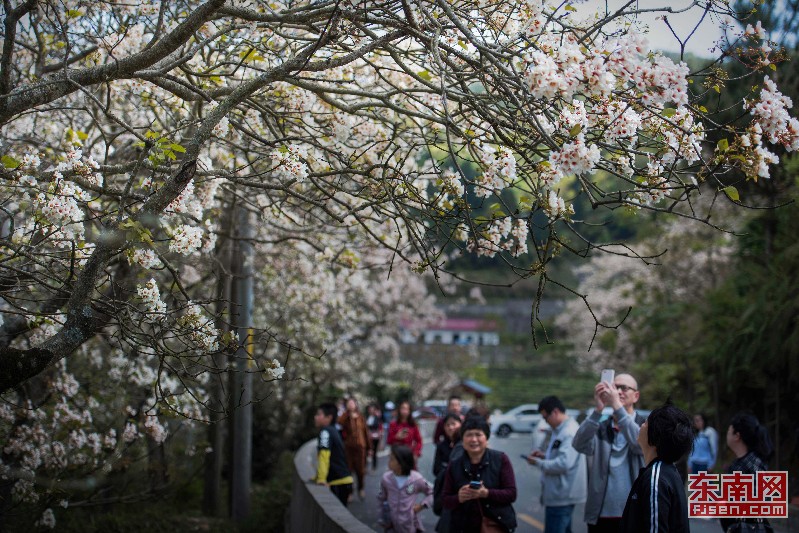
<point>374,424</point>
<point>657,500</point>
<point>446,451</point>
<point>403,430</point>
<point>616,455</point>
<point>751,444</point>
<point>563,483</point>
<point>356,441</point>
<point>706,446</point>
<point>479,485</point>
<point>454,407</point>
<point>331,469</point>
<point>400,488</point>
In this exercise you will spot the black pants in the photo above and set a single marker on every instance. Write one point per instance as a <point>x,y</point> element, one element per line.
<point>342,492</point>
<point>375,446</point>
<point>605,525</point>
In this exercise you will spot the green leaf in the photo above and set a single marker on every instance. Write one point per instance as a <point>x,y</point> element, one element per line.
<point>177,148</point>
<point>9,162</point>
<point>425,75</point>
<point>570,7</point>
<point>732,193</point>
<point>703,109</point>
<point>773,66</point>
<point>575,131</point>
<point>717,89</point>
<point>723,145</point>
<point>73,13</point>
<point>669,112</point>
<point>149,134</point>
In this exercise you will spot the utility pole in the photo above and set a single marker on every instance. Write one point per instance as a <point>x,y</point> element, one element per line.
<point>217,391</point>
<point>241,392</point>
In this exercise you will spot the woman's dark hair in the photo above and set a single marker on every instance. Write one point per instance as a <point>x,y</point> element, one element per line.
<point>704,421</point>
<point>452,416</point>
<point>753,434</point>
<point>671,431</point>
<point>404,456</point>
<point>410,419</point>
<point>476,422</point>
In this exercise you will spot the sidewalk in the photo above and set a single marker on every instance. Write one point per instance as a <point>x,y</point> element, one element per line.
<point>367,511</point>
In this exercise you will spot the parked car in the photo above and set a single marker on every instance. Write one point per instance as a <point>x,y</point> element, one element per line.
<point>440,407</point>
<point>426,413</point>
<point>521,419</point>
<point>541,433</point>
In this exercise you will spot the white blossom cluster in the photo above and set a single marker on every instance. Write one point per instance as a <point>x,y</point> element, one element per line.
<point>200,329</point>
<point>771,114</point>
<point>151,298</point>
<point>499,170</point>
<point>273,369</point>
<point>186,239</point>
<point>288,163</point>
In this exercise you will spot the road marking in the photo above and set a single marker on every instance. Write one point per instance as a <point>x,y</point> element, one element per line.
<point>532,521</point>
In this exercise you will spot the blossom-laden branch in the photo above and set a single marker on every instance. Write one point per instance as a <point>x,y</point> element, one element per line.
<point>426,128</point>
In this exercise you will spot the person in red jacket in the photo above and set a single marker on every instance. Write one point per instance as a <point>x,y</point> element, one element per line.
<point>403,430</point>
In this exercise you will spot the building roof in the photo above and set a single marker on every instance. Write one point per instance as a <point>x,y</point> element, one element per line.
<point>475,387</point>
<point>459,324</point>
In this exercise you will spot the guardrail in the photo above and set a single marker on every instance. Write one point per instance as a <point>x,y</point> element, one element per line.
<point>313,508</point>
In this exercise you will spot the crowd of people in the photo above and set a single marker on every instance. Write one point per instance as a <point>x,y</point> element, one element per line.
<point>622,467</point>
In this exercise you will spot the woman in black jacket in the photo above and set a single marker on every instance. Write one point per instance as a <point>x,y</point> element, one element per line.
<point>452,432</point>
<point>479,484</point>
<point>657,499</point>
<point>751,444</point>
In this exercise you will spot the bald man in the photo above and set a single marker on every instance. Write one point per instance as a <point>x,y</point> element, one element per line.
<point>616,456</point>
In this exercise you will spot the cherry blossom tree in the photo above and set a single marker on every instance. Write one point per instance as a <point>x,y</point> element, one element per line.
<point>125,126</point>
<point>357,135</point>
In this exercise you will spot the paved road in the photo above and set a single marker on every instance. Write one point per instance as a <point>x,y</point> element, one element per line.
<point>529,513</point>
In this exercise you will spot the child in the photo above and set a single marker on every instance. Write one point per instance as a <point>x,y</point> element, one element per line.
<point>332,468</point>
<point>399,488</point>
<point>657,500</point>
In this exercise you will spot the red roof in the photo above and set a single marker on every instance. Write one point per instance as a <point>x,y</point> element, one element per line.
<point>459,324</point>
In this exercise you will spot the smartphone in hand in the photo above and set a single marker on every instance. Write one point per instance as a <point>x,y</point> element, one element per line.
<point>608,374</point>
<point>475,485</point>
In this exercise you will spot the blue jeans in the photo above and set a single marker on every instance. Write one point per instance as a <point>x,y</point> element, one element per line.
<point>558,519</point>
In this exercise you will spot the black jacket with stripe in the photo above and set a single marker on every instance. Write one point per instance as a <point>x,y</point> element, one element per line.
<point>657,501</point>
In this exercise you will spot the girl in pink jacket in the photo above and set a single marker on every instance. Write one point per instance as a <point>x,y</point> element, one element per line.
<point>399,487</point>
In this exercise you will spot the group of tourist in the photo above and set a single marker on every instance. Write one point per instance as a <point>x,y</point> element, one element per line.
<point>621,467</point>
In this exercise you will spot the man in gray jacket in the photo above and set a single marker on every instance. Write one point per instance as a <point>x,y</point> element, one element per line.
<point>615,457</point>
<point>563,483</point>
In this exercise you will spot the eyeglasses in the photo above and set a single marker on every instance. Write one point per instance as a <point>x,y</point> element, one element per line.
<point>625,388</point>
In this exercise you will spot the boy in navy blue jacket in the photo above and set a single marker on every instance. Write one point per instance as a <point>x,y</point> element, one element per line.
<point>657,501</point>
<point>331,469</point>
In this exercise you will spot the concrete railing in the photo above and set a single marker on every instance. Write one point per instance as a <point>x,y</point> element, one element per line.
<point>314,509</point>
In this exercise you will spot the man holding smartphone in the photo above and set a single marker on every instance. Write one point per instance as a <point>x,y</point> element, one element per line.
<point>613,445</point>
<point>563,483</point>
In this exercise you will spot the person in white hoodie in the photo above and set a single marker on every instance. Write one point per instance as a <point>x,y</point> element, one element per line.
<point>564,481</point>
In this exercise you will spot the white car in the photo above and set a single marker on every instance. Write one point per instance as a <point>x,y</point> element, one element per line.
<point>521,418</point>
